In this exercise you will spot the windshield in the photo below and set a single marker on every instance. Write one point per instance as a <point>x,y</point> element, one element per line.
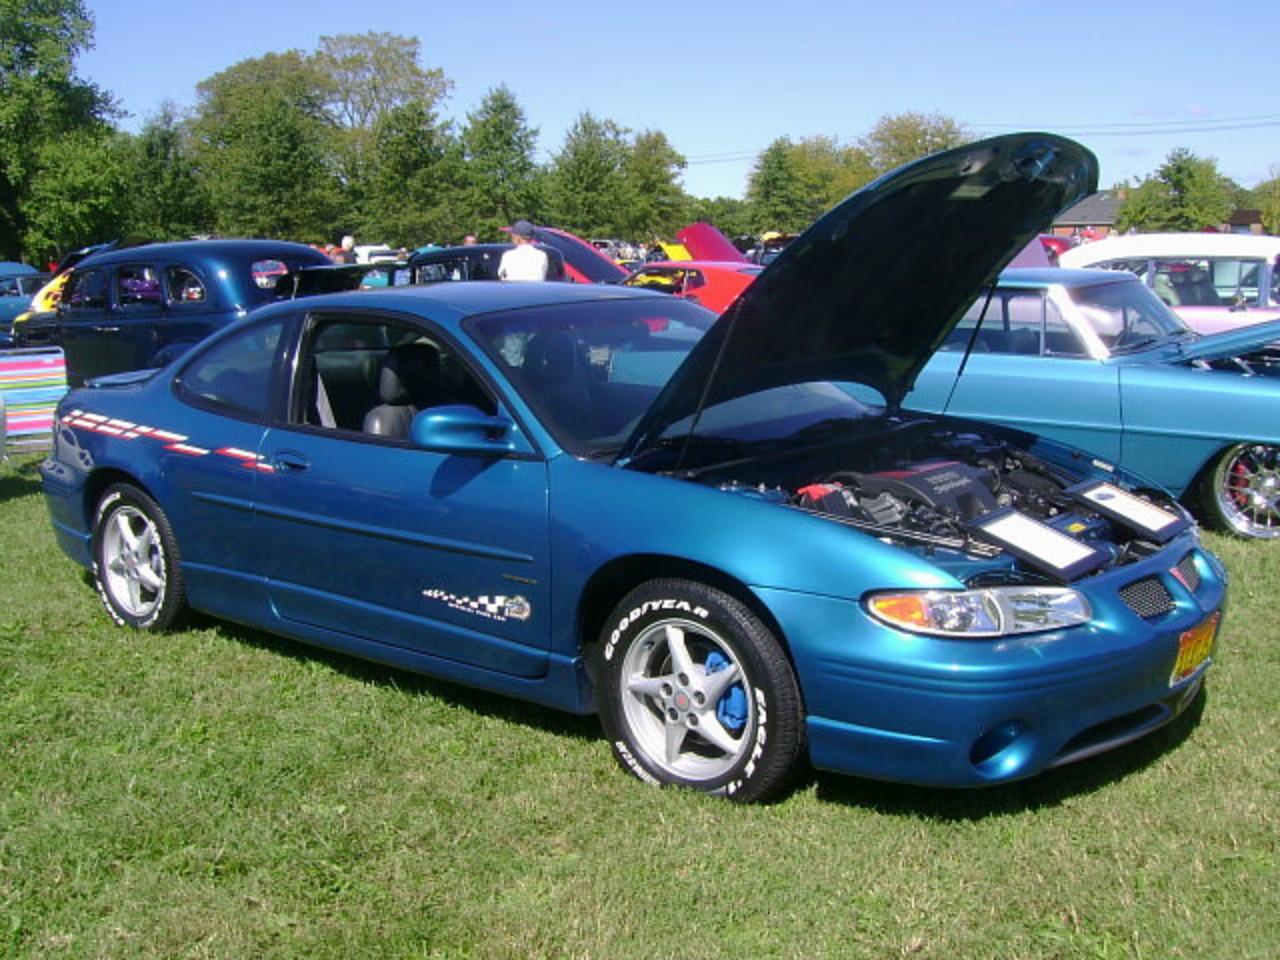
<point>1126,316</point>
<point>589,370</point>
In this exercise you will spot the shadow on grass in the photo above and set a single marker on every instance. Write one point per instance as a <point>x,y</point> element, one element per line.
<point>20,479</point>
<point>937,803</point>
<point>1046,790</point>
<point>524,713</point>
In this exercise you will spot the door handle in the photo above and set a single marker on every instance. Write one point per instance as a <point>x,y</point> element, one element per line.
<point>105,329</point>
<point>290,461</point>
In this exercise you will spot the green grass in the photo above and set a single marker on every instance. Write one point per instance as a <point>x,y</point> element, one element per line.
<point>219,792</point>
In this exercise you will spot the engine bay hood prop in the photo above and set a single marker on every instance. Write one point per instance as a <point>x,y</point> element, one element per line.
<point>870,290</point>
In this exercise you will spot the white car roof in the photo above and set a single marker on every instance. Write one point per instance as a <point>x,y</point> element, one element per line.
<point>1171,245</point>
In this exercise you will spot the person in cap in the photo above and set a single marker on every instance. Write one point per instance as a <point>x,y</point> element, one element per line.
<point>524,261</point>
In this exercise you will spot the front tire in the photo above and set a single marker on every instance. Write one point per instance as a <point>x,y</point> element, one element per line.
<point>135,560</point>
<point>695,691</point>
<point>1240,493</point>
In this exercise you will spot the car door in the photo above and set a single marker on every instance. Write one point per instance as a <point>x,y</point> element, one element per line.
<point>374,539</point>
<point>85,328</point>
<point>193,309</point>
<point>109,319</point>
<point>229,391</point>
<point>1027,369</point>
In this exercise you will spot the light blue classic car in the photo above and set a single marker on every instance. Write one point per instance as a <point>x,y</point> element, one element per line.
<point>1095,359</point>
<point>612,500</point>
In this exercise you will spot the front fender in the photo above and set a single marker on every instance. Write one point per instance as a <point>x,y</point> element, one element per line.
<point>1176,420</point>
<point>602,513</point>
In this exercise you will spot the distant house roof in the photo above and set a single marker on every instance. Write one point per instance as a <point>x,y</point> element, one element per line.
<point>1096,210</point>
<point>1245,218</point>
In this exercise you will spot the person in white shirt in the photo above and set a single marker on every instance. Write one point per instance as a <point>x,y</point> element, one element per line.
<point>524,261</point>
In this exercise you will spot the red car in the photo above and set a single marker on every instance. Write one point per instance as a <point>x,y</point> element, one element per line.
<point>713,283</point>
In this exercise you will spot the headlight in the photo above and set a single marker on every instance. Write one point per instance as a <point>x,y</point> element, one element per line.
<point>993,612</point>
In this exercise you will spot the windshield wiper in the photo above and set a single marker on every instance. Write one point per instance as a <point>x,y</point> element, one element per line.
<point>1135,345</point>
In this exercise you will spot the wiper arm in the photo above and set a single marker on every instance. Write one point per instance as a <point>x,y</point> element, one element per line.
<point>1135,345</point>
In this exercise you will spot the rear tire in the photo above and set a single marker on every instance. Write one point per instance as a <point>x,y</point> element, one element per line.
<point>135,560</point>
<point>695,691</point>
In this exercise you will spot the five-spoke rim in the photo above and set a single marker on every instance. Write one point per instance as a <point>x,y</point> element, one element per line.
<point>686,700</point>
<point>1246,488</point>
<point>133,562</point>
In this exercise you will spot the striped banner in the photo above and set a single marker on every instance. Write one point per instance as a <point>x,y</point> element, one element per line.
<point>32,381</point>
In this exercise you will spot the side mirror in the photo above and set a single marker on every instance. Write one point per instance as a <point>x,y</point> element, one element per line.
<point>463,429</point>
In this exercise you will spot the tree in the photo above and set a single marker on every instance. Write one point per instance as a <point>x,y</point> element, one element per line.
<point>41,100</point>
<point>263,146</point>
<point>586,181</point>
<point>77,195</point>
<point>730,215</point>
<point>1186,193</point>
<point>900,138</point>
<point>166,200</point>
<point>370,75</point>
<point>777,190</point>
<point>501,171</point>
<point>656,204</point>
<point>1266,197</point>
<point>415,192</point>
<point>829,172</point>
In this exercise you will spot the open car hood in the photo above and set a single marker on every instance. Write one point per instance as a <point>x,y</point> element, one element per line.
<point>705,242</point>
<point>869,291</point>
<point>1233,343</point>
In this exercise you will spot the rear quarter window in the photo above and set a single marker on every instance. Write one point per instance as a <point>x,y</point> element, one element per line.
<point>235,374</point>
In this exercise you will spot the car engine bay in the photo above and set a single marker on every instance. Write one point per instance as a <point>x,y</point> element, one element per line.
<point>919,482</point>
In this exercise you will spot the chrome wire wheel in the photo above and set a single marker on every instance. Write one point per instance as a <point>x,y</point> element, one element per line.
<point>686,701</point>
<point>134,569</point>
<point>1245,490</point>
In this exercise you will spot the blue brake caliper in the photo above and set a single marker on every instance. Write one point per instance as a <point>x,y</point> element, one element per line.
<point>731,710</point>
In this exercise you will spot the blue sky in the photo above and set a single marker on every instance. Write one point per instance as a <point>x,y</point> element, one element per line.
<point>1131,80</point>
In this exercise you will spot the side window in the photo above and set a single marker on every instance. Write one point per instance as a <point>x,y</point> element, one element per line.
<point>87,290</point>
<point>1011,322</point>
<point>1236,281</point>
<point>185,286</point>
<point>137,285</point>
<point>1024,322</point>
<point>1186,283</point>
<point>236,373</point>
<point>443,270</point>
<point>267,273</point>
<point>1059,339</point>
<point>372,376</point>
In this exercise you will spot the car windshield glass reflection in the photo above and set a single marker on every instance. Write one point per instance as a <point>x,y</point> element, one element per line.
<point>589,370</point>
<point>1126,316</point>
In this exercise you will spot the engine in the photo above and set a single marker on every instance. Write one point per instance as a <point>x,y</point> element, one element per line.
<point>927,486</point>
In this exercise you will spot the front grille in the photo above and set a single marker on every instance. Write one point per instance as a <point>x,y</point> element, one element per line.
<point>1148,598</point>
<point>1188,572</point>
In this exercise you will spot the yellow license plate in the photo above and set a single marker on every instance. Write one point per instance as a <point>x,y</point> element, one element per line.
<point>1195,646</point>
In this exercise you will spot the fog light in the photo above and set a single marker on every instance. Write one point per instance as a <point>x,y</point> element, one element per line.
<point>1002,750</point>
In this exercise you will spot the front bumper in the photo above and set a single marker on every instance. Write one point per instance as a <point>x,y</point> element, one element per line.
<point>886,704</point>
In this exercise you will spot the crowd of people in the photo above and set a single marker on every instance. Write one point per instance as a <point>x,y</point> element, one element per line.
<point>524,261</point>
